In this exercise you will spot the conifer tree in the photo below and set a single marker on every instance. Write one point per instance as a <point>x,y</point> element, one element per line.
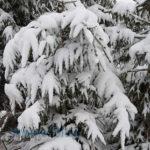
<point>61,72</point>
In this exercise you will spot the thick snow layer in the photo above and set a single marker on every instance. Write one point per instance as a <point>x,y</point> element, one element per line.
<point>67,56</point>
<point>100,14</point>
<point>49,84</point>
<point>120,32</point>
<point>14,96</point>
<point>30,79</point>
<point>109,86</point>
<point>9,57</point>
<point>89,120</point>
<point>29,120</point>
<point>26,41</point>
<point>29,41</point>
<point>142,47</point>
<point>8,33</point>
<point>80,18</point>
<point>2,113</point>
<point>50,22</point>
<point>61,143</point>
<point>5,17</point>
<point>124,6</point>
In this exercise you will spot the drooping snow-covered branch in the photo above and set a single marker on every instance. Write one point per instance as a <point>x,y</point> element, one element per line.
<point>110,87</point>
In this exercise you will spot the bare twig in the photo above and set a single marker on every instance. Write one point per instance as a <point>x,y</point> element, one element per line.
<point>103,49</point>
<point>69,2</point>
<point>137,70</point>
<point>144,32</point>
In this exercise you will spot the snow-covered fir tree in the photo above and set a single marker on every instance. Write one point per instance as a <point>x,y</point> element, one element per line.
<point>64,71</point>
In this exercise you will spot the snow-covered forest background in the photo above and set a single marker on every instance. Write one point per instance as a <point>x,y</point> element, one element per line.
<point>74,74</point>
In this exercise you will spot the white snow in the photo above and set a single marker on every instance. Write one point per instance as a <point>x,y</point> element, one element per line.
<point>89,120</point>
<point>50,22</point>
<point>78,18</point>
<point>67,56</point>
<point>61,143</point>
<point>49,84</point>
<point>8,33</point>
<point>29,41</point>
<point>14,96</point>
<point>142,47</point>
<point>109,86</point>
<point>9,57</point>
<point>124,6</point>
<point>30,79</point>
<point>29,120</point>
<point>89,35</point>
<point>2,113</point>
<point>120,32</point>
<point>100,14</point>
<point>26,41</point>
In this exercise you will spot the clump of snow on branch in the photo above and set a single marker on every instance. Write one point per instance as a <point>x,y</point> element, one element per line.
<point>142,47</point>
<point>61,143</point>
<point>26,42</point>
<point>67,56</point>
<point>124,7</point>
<point>71,4</point>
<point>4,17</point>
<point>80,21</point>
<point>120,32</point>
<point>89,120</point>
<point>102,16</point>
<point>14,96</point>
<point>49,84</point>
<point>29,120</point>
<point>109,86</point>
<point>8,33</point>
<point>2,113</point>
<point>9,57</point>
<point>30,78</point>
